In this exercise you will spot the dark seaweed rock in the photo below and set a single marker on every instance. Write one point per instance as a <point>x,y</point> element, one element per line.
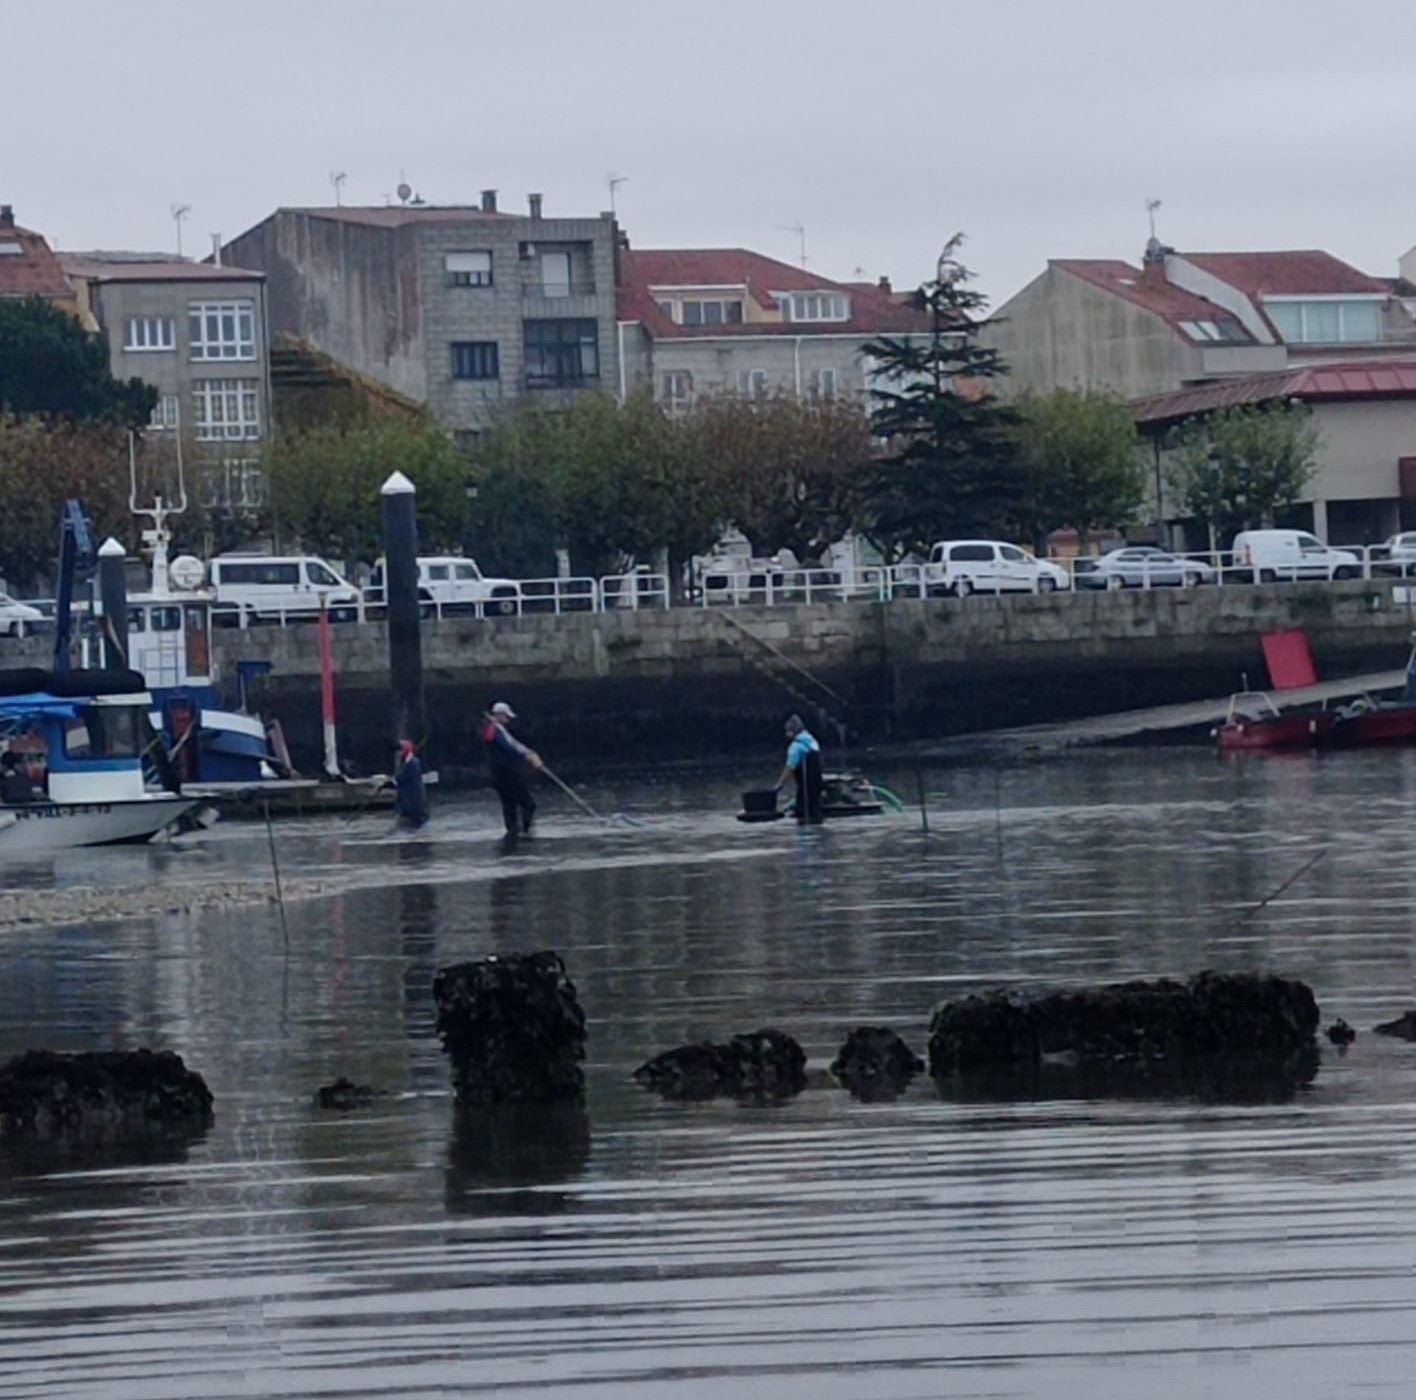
<point>760,1065</point>
<point>875,1064</point>
<point>344,1094</point>
<point>1212,1015</point>
<point>1403,1028</point>
<point>105,1093</point>
<point>1340,1033</point>
<point>512,1028</point>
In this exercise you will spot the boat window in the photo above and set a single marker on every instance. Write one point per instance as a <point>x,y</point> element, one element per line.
<point>971,551</point>
<point>137,619</point>
<point>104,732</point>
<point>320,576</point>
<point>167,619</point>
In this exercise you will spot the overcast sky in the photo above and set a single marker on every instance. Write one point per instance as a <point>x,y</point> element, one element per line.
<point>1037,126</point>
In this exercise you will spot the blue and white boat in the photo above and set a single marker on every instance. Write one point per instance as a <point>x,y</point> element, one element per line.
<point>80,738</point>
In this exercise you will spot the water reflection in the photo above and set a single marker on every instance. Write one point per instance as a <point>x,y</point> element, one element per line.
<point>498,1158</point>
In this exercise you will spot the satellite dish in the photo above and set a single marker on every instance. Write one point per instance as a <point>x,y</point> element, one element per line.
<point>403,191</point>
<point>187,572</point>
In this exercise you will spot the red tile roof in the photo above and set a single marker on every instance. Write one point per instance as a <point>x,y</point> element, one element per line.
<point>34,271</point>
<point>1153,294</point>
<point>1308,272</point>
<point>1341,379</point>
<point>874,310</point>
<point>171,270</point>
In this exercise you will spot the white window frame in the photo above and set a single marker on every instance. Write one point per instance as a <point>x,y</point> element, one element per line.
<point>701,305</point>
<point>468,269</point>
<point>145,334</point>
<point>824,383</point>
<point>752,383</point>
<point>226,410</point>
<point>1342,303</point>
<point>222,330</point>
<point>554,287</point>
<point>808,307</point>
<point>676,389</point>
<point>166,413</point>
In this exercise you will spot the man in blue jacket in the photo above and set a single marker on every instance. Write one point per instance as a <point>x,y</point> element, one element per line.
<point>510,762</point>
<point>803,764</point>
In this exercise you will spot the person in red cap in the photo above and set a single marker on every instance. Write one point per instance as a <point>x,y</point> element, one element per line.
<point>411,802</point>
<point>510,761</point>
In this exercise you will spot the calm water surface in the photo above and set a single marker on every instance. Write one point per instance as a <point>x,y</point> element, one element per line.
<point>824,1248</point>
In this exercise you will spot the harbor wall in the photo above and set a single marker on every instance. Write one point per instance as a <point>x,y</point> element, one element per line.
<point>691,683</point>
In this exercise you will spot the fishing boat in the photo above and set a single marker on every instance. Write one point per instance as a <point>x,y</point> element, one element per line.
<point>842,795</point>
<point>79,737</point>
<point>1254,722</point>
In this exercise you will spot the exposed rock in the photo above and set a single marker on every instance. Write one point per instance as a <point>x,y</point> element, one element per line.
<point>1340,1033</point>
<point>344,1094</point>
<point>513,1029</point>
<point>1403,1028</point>
<point>104,1093</point>
<point>1214,1014</point>
<point>761,1065</point>
<point>875,1064</point>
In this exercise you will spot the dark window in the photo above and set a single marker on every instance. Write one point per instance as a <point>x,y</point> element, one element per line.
<point>971,552</point>
<point>561,353</point>
<point>272,574</point>
<point>474,359</point>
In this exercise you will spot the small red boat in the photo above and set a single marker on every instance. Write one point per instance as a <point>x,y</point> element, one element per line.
<point>1255,722</point>
<point>1365,725</point>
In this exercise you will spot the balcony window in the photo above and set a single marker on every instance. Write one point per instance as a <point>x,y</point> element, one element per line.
<point>752,383</point>
<point>475,359</point>
<point>226,409</point>
<point>555,274</point>
<point>468,269</point>
<point>676,390</point>
<point>148,333</point>
<point>1326,322</point>
<point>561,353</point>
<point>822,385</point>
<point>222,330</point>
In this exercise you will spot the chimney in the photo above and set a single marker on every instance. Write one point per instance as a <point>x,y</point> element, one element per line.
<point>534,202</point>
<point>489,201</point>
<point>7,216</point>
<point>1153,263</point>
<point>216,249</point>
<point>884,285</point>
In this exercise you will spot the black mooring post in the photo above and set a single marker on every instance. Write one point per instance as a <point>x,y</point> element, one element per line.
<point>113,594</point>
<point>405,643</point>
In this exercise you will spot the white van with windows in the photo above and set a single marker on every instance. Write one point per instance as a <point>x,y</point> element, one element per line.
<point>1272,555</point>
<point>269,586</point>
<point>453,584</point>
<point>962,567</point>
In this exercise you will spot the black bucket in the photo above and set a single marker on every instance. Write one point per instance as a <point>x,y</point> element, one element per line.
<point>760,800</point>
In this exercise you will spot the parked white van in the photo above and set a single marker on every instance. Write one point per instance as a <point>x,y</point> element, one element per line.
<point>267,585</point>
<point>454,584</point>
<point>1291,554</point>
<point>962,567</point>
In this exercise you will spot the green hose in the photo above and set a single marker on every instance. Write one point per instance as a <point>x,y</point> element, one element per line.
<point>887,797</point>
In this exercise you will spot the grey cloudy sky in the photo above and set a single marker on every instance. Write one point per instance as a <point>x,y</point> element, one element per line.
<point>1038,126</point>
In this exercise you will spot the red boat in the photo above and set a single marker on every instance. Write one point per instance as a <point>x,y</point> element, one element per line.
<point>1366,724</point>
<point>1255,722</point>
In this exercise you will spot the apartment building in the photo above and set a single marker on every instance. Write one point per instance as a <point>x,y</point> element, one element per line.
<point>198,333</point>
<point>461,308</point>
<point>727,320</point>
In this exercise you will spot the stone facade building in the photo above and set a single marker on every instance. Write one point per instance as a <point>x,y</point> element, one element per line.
<point>726,320</point>
<point>198,333</point>
<point>461,308</point>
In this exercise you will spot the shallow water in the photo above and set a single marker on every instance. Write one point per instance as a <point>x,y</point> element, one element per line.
<point>939,1245</point>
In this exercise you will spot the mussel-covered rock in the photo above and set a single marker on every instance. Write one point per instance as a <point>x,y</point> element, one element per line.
<point>874,1063</point>
<point>513,1029</point>
<point>112,1092</point>
<point>1213,1014</point>
<point>1403,1028</point>
<point>1340,1033</point>
<point>343,1094</point>
<point>762,1064</point>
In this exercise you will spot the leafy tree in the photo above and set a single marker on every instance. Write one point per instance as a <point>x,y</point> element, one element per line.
<point>323,485</point>
<point>951,464</point>
<point>50,365</point>
<point>1080,455</point>
<point>789,472</point>
<point>43,464</point>
<point>1239,467</point>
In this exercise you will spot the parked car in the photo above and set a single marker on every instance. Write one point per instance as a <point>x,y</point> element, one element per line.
<point>454,584</point>
<point>1400,551</point>
<point>1271,555</point>
<point>733,578</point>
<point>961,567</point>
<point>1140,566</point>
<point>17,618</point>
<point>266,585</point>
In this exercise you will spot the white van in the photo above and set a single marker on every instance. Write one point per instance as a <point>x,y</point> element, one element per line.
<point>1291,554</point>
<point>962,567</point>
<point>454,584</point>
<point>269,585</point>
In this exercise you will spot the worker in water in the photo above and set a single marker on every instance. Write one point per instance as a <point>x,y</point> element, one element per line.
<point>510,762</point>
<point>803,765</point>
<point>411,801</point>
<point>15,787</point>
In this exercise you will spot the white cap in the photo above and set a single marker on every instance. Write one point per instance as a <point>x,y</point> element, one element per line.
<point>502,708</point>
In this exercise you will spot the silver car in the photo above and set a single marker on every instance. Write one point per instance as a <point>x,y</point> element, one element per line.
<point>16,618</point>
<point>1141,566</point>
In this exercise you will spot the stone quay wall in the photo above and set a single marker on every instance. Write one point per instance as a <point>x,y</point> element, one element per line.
<point>692,682</point>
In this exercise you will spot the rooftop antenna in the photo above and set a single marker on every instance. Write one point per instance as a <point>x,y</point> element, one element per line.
<point>614,182</point>
<point>337,179</point>
<point>180,212</point>
<point>1152,204</point>
<point>800,231</point>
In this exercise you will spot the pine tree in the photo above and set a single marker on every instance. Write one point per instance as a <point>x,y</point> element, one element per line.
<point>950,466</point>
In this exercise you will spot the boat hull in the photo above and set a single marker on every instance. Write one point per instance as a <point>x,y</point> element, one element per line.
<point>1275,732</point>
<point>1390,724</point>
<point>57,826</point>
